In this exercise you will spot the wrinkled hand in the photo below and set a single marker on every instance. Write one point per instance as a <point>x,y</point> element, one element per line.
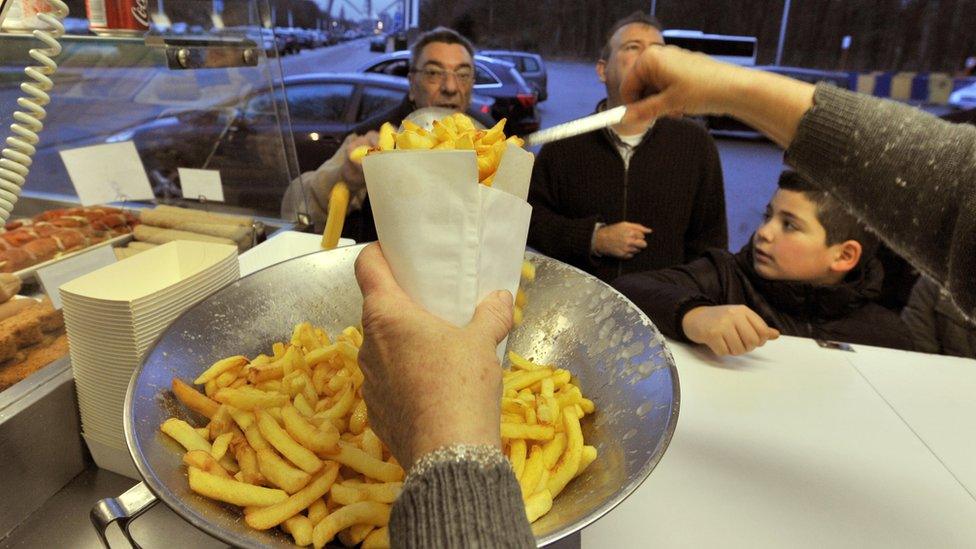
<point>621,240</point>
<point>727,329</point>
<point>352,171</point>
<point>675,82</point>
<point>428,383</point>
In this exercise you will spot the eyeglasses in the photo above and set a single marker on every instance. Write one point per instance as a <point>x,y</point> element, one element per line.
<point>464,76</point>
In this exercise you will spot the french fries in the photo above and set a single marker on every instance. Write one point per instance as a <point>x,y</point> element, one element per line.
<point>541,411</point>
<point>453,132</point>
<point>232,491</point>
<point>289,439</point>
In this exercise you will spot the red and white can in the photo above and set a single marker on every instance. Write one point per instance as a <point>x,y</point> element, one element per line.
<point>118,17</point>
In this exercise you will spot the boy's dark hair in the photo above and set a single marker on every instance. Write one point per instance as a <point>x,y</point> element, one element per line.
<point>837,222</point>
<point>440,34</point>
<point>636,17</point>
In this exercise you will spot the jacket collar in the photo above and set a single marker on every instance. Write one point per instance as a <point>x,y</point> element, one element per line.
<point>861,285</point>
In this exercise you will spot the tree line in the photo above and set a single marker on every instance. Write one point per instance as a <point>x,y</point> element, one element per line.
<point>895,35</point>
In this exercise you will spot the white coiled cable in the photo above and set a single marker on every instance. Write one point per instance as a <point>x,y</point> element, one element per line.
<point>15,160</point>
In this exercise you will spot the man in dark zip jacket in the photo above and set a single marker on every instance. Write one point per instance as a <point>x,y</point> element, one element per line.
<point>634,197</point>
<point>809,271</point>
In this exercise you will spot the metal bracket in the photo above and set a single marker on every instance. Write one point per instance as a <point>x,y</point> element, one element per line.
<point>134,502</point>
<point>206,52</point>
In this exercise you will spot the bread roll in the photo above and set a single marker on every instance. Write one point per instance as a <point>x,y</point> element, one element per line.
<point>156,235</point>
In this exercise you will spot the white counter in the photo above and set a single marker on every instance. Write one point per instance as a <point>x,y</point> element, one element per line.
<point>798,446</point>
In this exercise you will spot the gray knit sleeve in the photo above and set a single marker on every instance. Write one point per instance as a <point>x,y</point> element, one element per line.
<point>909,176</point>
<point>460,496</point>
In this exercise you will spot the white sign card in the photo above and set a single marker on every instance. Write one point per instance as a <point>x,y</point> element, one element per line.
<point>107,173</point>
<point>198,184</point>
<point>70,268</point>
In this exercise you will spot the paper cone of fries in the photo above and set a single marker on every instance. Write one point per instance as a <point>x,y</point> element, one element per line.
<point>450,241</point>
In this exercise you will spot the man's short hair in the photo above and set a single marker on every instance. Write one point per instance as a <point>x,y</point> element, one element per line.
<point>839,225</point>
<point>636,17</point>
<point>440,34</point>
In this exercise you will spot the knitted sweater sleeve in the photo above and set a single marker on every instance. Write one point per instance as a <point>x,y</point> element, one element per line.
<point>909,176</point>
<point>461,497</point>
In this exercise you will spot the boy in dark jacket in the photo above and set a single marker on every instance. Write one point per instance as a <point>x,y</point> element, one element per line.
<point>809,271</point>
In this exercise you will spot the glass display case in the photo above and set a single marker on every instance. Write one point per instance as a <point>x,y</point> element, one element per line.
<point>186,96</point>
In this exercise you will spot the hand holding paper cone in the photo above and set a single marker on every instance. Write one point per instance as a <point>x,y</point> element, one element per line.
<point>450,241</point>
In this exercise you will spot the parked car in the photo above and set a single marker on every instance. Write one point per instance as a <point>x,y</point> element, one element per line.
<point>514,98</point>
<point>728,126</point>
<point>243,141</point>
<point>964,98</point>
<point>530,66</point>
<point>377,42</point>
<point>967,116</point>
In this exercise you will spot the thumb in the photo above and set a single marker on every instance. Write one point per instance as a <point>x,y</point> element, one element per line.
<point>772,333</point>
<point>648,109</point>
<point>493,317</point>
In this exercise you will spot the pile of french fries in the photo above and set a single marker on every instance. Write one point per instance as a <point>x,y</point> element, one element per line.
<point>288,439</point>
<point>541,411</point>
<point>454,132</point>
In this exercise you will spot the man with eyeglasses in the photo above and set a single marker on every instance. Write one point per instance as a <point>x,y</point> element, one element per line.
<point>634,197</point>
<point>441,74</point>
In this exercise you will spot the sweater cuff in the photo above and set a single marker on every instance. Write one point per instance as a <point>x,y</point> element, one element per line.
<point>461,496</point>
<point>682,310</point>
<point>579,233</point>
<point>824,131</point>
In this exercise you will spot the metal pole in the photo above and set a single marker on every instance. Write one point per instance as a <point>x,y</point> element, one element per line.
<point>653,7</point>
<point>782,32</point>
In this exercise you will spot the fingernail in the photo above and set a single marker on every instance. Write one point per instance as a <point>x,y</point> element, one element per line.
<point>505,296</point>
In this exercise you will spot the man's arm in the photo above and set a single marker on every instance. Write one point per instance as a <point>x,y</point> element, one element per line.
<point>550,232</point>
<point>309,192</point>
<point>907,175</point>
<point>708,226</point>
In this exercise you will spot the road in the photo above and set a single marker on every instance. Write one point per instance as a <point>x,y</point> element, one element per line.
<point>84,112</point>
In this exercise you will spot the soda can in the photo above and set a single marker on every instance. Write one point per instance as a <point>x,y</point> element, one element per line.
<point>118,17</point>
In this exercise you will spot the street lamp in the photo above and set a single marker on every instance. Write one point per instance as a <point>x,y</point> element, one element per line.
<point>782,32</point>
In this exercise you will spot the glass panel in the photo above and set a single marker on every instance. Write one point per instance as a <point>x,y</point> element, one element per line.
<point>318,103</point>
<point>111,89</point>
<point>378,100</point>
<point>529,64</point>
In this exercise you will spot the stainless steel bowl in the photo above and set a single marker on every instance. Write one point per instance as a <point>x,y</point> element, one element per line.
<point>573,320</point>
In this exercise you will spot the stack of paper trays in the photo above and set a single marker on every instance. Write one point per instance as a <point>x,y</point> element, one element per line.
<point>114,314</point>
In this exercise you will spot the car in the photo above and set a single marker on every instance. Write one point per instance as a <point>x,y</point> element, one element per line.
<point>243,141</point>
<point>530,66</point>
<point>730,127</point>
<point>964,98</point>
<point>514,98</point>
<point>377,42</point>
<point>967,116</point>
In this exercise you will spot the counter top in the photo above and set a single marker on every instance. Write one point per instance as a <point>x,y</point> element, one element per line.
<point>794,445</point>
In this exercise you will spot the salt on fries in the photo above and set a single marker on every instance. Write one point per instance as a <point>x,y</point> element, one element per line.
<point>289,440</point>
<point>453,132</point>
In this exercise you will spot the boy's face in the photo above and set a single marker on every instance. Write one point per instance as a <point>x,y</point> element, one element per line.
<point>791,244</point>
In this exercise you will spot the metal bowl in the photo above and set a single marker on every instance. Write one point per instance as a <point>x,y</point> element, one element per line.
<point>573,320</point>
